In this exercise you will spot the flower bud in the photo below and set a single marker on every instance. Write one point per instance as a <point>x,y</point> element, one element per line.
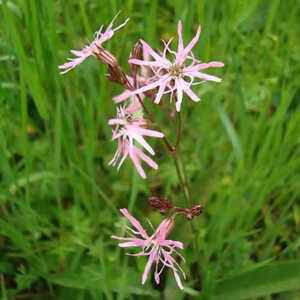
<point>194,211</point>
<point>163,204</point>
<point>137,53</point>
<point>105,56</point>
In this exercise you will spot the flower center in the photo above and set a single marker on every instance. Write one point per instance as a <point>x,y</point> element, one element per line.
<point>176,70</point>
<point>151,246</point>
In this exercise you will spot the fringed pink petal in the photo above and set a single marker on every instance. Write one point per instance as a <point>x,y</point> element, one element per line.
<point>140,140</point>
<point>192,95</point>
<point>179,94</point>
<point>149,132</point>
<point>125,148</point>
<point>130,244</point>
<point>117,154</point>
<point>134,222</point>
<point>170,243</point>
<point>180,40</point>
<point>148,267</point>
<point>212,64</point>
<point>205,76</point>
<point>161,89</point>
<point>192,43</point>
<point>115,122</point>
<point>177,278</point>
<point>137,164</point>
<point>122,97</point>
<point>144,63</point>
<point>146,158</point>
<point>157,57</point>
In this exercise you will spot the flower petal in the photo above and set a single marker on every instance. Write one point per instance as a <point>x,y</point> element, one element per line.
<point>177,278</point>
<point>172,243</point>
<point>148,266</point>
<point>161,89</point>
<point>146,158</point>
<point>134,222</point>
<point>121,97</point>
<point>145,63</point>
<point>212,64</point>
<point>179,94</point>
<point>149,132</point>
<point>156,56</point>
<point>205,76</point>
<point>192,43</point>
<point>180,40</point>
<point>192,95</point>
<point>150,86</point>
<point>140,140</point>
<point>137,163</point>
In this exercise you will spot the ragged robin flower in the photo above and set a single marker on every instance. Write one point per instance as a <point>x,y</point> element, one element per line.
<point>129,129</point>
<point>92,48</point>
<point>177,76</point>
<point>157,247</point>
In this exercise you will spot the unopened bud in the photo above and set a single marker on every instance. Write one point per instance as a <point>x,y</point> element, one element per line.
<point>194,211</point>
<point>137,53</point>
<point>105,56</point>
<point>197,210</point>
<point>163,204</point>
<point>115,72</point>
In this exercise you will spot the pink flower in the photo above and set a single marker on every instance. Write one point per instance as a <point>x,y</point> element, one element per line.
<point>129,128</point>
<point>88,50</point>
<point>176,76</point>
<point>158,249</point>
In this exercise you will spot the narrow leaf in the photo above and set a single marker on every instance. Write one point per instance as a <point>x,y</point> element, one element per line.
<point>273,278</point>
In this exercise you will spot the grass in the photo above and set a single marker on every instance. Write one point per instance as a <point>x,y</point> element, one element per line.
<point>59,199</point>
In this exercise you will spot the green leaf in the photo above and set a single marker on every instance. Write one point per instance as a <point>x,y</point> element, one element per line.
<point>13,7</point>
<point>274,278</point>
<point>230,130</point>
<point>77,280</point>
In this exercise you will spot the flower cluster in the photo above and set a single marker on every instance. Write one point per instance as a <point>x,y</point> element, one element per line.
<point>153,74</point>
<point>169,77</point>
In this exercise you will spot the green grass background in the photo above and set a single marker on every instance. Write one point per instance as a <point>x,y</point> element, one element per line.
<point>59,199</point>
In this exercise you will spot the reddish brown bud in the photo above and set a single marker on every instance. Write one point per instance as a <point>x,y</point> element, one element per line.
<point>191,213</point>
<point>197,210</point>
<point>163,204</point>
<point>105,56</point>
<point>137,53</point>
<point>115,72</point>
<point>194,211</point>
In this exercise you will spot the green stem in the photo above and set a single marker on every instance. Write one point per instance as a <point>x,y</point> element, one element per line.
<point>178,159</point>
<point>182,176</point>
<point>181,180</point>
<point>179,129</point>
<point>185,176</point>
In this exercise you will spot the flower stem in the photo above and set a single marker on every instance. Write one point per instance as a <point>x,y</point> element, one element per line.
<point>181,179</point>
<point>182,175</point>
<point>185,176</point>
<point>181,171</point>
<point>178,134</point>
